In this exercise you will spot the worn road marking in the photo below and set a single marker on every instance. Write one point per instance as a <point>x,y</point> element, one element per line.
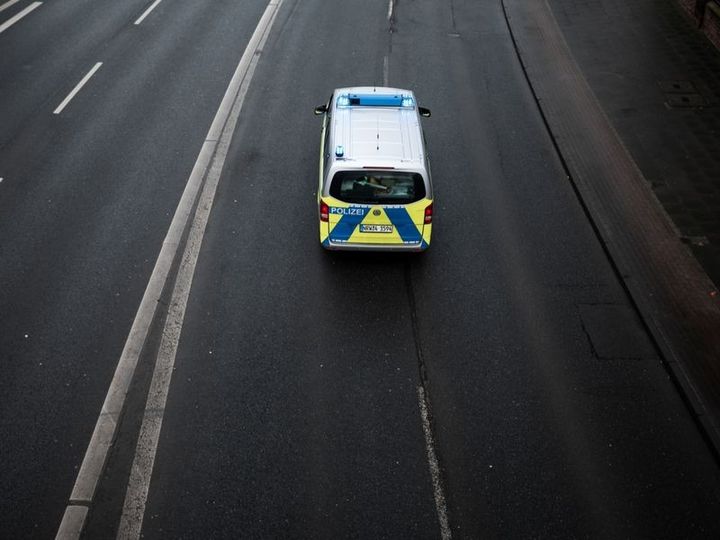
<point>141,18</point>
<point>438,491</point>
<point>77,88</point>
<point>12,20</point>
<point>208,165</point>
<point>386,71</point>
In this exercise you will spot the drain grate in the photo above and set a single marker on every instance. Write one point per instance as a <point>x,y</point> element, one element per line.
<point>678,87</point>
<point>681,95</point>
<point>686,101</point>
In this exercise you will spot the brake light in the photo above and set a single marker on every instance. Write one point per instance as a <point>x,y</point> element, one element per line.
<point>428,213</point>
<point>325,211</point>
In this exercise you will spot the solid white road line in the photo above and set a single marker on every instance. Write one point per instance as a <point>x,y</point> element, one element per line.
<point>210,162</point>
<point>391,8</point>
<point>141,472</point>
<point>440,504</point>
<point>141,18</point>
<point>8,4</point>
<point>7,24</point>
<point>77,88</point>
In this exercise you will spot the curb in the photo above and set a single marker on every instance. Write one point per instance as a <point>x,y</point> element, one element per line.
<point>706,15</point>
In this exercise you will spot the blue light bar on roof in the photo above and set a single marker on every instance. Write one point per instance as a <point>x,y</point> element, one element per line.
<point>375,100</point>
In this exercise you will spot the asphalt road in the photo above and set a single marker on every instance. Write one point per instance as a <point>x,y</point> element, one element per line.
<point>294,409</point>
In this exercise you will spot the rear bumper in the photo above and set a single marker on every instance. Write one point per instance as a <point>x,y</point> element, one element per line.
<point>347,246</point>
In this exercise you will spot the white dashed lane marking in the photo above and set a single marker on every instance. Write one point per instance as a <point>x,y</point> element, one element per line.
<point>438,491</point>
<point>8,4</point>
<point>12,20</point>
<point>77,88</point>
<point>141,18</point>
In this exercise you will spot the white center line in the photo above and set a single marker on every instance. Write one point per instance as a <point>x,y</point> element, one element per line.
<point>7,24</point>
<point>141,18</point>
<point>206,172</point>
<point>8,4</point>
<point>391,8</point>
<point>77,88</point>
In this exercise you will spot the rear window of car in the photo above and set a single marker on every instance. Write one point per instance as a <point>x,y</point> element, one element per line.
<point>377,187</point>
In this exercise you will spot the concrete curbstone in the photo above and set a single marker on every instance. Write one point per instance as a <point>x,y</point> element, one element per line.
<point>706,15</point>
<point>711,23</point>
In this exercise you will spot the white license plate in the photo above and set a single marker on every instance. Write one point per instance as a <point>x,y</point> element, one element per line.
<point>376,228</point>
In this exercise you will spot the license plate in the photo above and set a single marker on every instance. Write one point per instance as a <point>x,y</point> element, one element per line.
<point>376,228</point>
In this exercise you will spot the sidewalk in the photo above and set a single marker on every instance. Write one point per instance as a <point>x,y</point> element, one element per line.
<point>658,80</point>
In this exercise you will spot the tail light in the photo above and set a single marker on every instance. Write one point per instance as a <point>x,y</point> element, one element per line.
<point>428,213</point>
<point>325,212</point>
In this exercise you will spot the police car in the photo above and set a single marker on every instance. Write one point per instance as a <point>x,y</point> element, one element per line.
<point>375,191</point>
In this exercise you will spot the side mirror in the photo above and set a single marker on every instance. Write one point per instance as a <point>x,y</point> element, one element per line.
<point>425,113</point>
<point>321,109</point>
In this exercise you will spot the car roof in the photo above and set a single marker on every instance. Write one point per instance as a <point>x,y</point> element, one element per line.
<point>375,128</point>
